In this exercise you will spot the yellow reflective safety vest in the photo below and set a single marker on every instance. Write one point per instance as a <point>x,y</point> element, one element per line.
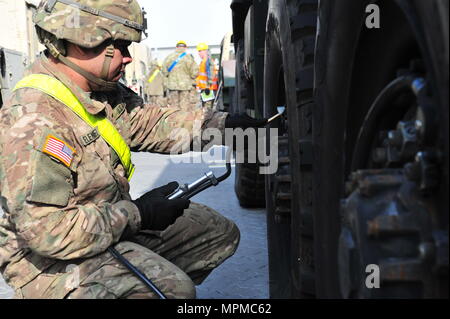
<point>152,78</point>
<point>55,88</point>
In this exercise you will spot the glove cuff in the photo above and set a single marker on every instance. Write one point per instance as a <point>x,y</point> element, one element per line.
<point>134,216</point>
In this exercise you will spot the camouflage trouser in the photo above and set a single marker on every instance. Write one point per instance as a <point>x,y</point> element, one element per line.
<point>185,100</point>
<point>175,260</point>
<point>158,100</point>
<point>209,104</point>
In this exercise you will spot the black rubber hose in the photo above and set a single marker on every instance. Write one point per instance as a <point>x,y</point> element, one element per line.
<point>227,174</point>
<point>136,272</point>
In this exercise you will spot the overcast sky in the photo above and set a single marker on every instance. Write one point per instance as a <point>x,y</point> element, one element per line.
<point>193,21</point>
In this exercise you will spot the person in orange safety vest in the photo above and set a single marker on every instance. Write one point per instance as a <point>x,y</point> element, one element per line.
<point>207,80</point>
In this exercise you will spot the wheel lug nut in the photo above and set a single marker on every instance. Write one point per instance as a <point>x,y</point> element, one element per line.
<point>395,138</point>
<point>412,172</point>
<point>418,125</point>
<point>427,251</point>
<point>379,155</point>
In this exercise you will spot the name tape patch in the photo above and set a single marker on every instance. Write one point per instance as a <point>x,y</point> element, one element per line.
<point>90,137</point>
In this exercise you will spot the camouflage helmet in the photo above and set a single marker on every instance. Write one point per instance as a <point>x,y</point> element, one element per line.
<point>89,23</point>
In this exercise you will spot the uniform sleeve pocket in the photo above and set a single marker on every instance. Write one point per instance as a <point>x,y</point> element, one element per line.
<point>52,181</point>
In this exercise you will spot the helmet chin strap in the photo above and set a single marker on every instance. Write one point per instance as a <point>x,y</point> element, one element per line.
<point>103,84</point>
<point>109,55</point>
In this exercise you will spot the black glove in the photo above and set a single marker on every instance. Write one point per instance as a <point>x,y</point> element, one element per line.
<point>243,121</point>
<point>158,212</point>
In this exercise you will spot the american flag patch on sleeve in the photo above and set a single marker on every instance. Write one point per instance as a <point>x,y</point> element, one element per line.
<point>59,150</point>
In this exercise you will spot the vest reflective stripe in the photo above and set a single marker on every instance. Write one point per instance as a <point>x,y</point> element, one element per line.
<point>107,130</point>
<point>215,82</point>
<point>205,77</point>
<point>152,78</point>
<point>174,64</point>
<point>202,78</point>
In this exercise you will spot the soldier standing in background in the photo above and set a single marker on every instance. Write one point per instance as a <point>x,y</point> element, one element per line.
<point>154,87</point>
<point>66,136</point>
<point>181,70</point>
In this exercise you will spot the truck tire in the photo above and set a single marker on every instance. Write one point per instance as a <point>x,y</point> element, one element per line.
<point>289,79</point>
<point>381,150</point>
<point>249,186</point>
<point>249,183</point>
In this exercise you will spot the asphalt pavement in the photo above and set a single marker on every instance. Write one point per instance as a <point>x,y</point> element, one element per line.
<point>245,274</point>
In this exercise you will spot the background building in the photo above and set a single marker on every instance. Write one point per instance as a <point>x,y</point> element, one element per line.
<point>18,33</point>
<point>136,73</point>
<point>19,44</point>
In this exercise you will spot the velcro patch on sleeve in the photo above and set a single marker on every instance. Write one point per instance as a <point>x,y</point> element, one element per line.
<point>59,150</point>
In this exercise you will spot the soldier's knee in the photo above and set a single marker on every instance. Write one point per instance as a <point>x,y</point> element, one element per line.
<point>219,226</point>
<point>229,235</point>
<point>178,286</point>
<point>233,236</point>
<point>235,233</point>
<point>189,291</point>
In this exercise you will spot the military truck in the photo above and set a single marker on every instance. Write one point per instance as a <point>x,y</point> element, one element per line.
<point>227,74</point>
<point>359,206</point>
<point>12,67</point>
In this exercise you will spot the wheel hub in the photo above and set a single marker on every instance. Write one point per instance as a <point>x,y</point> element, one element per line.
<point>388,217</point>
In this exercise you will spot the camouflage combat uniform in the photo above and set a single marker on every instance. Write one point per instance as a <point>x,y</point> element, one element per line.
<point>154,87</point>
<point>59,220</point>
<point>180,82</point>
